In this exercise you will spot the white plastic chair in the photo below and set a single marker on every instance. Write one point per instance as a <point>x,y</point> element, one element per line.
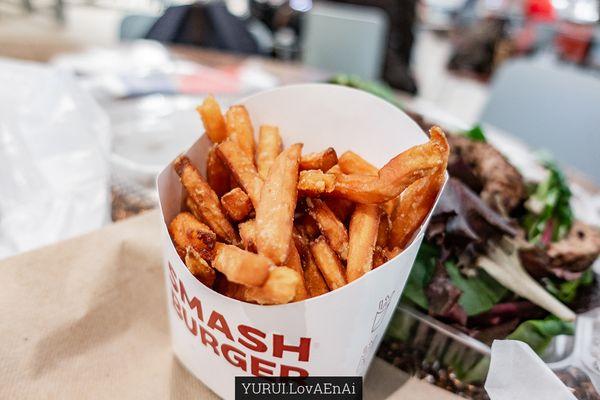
<point>550,107</point>
<point>345,38</point>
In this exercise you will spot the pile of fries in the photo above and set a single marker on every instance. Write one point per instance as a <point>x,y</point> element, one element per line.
<point>270,225</point>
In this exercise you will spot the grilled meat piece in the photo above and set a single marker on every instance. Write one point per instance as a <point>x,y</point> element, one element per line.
<point>486,171</point>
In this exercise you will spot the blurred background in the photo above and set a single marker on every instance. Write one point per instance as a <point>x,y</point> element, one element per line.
<point>97,96</point>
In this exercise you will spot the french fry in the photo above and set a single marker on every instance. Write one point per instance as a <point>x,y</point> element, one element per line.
<point>280,288</point>
<point>323,160</point>
<point>217,174</point>
<point>199,267</point>
<point>239,129</point>
<point>188,232</point>
<point>385,225</point>
<point>236,204</point>
<point>248,235</point>
<point>413,206</point>
<point>269,147</point>
<point>335,170</point>
<point>342,208</point>
<point>328,263</point>
<point>315,182</point>
<point>352,163</point>
<point>242,168</point>
<point>379,257</point>
<point>399,173</point>
<point>275,211</point>
<point>363,235</point>
<point>307,227</point>
<point>331,228</point>
<point>294,262</point>
<point>213,120</point>
<point>315,284</point>
<point>241,266</point>
<point>206,202</point>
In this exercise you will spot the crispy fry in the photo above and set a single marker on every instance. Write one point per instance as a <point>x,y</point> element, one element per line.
<point>199,267</point>
<point>205,200</point>
<point>384,230</point>
<point>335,170</point>
<point>280,288</point>
<point>239,129</point>
<point>363,235</point>
<point>315,284</point>
<point>328,262</point>
<point>213,120</point>
<point>275,211</point>
<point>186,231</point>
<point>352,163</point>
<point>379,257</point>
<point>413,206</point>
<point>294,262</point>
<point>314,182</point>
<point>240,266</point>
<point>242,168</point>
<point>217,174</point>
<point>236,204</point>
<point>342,208</point>
<point>269,147</point>
<point>307,227</point>
<point>248,235</point>
<point>323,160</point>
<point>333,230</point>
<point>400,172</point>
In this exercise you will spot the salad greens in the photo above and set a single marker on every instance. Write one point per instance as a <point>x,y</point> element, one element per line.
<point>475,134</point>
<point>566,291</point>
<point>375,88</point>
<point>550,216</point>
<point>538,333</point>
<point>420,276</point>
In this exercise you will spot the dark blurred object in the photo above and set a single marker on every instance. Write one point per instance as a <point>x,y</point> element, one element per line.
<point>402,16</point>
<point>208,25</point>
<point>480,48</point>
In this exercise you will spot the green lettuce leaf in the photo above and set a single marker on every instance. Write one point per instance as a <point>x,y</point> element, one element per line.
<point>566,291</point>
<point>378,89</point>
<point>479,292</point>
<point>475,134</point>
<point>538,333</point>
<point>420,276</point>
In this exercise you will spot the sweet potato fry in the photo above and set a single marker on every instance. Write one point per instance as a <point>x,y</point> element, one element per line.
<point>413,206</point>
<point>186,231</point>
<point>269,147</point>
<point>363,235</point>
<point>384,230</point>
<point>205,200</point>
<point>217,174</point>
<point>342,208</point>
<point>242,168</point>
<point>239,129</point>
<point>315,284</point>
<point>307,227</point>
<point>294,262</point>
<point>328,262</point>
<point>322,160</point>
<point>240,266</point>
<point>199,267</point>
<point>400,172</point>
<point>248,235</point>
<point>280,288</point>
<point>213,120</point>
<point>352,163</point>
<point>275,211</point>
<point>236,204</point>
<point>331,227</point>
<point>315,182</point>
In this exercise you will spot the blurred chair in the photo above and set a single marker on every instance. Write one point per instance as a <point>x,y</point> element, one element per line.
<point>550,107</point>
<point>345,38</point>
<point>135,26</point>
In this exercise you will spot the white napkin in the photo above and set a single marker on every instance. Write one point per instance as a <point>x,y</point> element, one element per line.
<point>517,373</point>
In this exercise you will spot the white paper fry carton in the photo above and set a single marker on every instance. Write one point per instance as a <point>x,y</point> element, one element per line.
<point>218,338</point>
